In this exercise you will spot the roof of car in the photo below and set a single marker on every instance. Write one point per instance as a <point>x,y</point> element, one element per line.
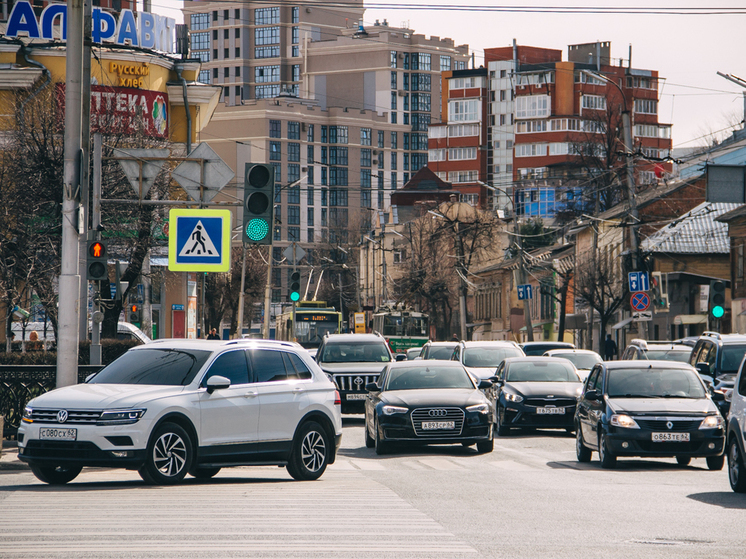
<point>552,352</point>
<point>557,345</point>
<point>425,363</point>
<point>354,337</point>
<point>442,344</point>
<point>534,358</point>
<point>651,363</point>
<point>213,345</point>
<point>724,338</point>
<point>488,343</point>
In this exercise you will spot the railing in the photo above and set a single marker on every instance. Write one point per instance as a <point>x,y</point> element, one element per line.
<point>21,383</point>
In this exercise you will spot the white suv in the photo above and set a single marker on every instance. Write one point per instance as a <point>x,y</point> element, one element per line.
<point>176,406</point>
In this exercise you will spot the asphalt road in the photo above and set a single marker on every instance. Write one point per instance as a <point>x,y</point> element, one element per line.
<point>528,498</point>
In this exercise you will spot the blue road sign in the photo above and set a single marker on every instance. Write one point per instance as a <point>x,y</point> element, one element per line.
<point>640,301</point>
<point>199,240</point>
<point>638,281</point>
<point>525,291</point>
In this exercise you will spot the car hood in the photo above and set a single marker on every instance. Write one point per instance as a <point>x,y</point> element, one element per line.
<point>433,397</point>
<point>353,368</point>
<point>662,405</point>
<point>482,372</point>
<point>103,396</point>
<point>528,389</point>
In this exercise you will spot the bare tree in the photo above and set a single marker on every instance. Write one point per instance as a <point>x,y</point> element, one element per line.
<point>598,283</point>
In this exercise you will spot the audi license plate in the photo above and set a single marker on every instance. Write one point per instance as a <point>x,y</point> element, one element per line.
<point>356,396</point>
<point>48,434</point>
<point>438,424</point>
<point>550,411</point>
<point>670,437</point>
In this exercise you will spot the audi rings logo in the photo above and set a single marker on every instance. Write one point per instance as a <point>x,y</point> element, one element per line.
<point>358,381</point>
<point>437,413</point>
<point>61,416</point>
<point>669,425</point>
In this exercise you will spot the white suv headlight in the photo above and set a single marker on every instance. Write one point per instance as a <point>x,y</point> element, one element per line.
<point>120,417</point>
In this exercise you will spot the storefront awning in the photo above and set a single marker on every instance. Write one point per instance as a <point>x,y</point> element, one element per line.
<point>690,319</point>
<point>538,324</point>
<point>622,323</point>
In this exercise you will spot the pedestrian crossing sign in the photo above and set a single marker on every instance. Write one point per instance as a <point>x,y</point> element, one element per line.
<point>199,240</point>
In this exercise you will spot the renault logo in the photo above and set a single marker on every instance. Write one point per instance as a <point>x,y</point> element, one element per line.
<point>669,425</point>
<point>437,413</point>
<point>61,416</point>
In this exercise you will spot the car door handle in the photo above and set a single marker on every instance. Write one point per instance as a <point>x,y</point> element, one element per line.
<point>251,395</point>
<point>298,389</point>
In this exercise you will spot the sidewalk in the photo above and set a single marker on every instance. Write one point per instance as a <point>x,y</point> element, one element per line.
<point>9,459</point>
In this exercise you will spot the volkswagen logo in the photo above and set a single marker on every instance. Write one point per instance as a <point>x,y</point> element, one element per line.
<point>358,381</point>
<point>437,413</point>
<point>669,425</point>
<point>61,416</point>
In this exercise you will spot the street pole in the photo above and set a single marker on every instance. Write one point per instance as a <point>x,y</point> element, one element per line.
<point>240,295</point>
<point>267,291</point>
<point>522,273</point>
<point>69,281</point>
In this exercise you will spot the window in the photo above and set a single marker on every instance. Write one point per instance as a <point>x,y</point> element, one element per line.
<point>309,133</point>
<point>337,196</point>
<point>237,13</point>
<point>238,52</point>
<point>405,136</point>
<point>528,106</point>
<point>338,155</point>
<point>393,160</point>
<point>200,41</point>
<point>420,61</point>
<point>199,21</point>
<point>204,76</point>
<point>231,365</point>
<point>264,74</point>
<point>338,176</point>
<point>294,192</point>
<point>293,130</point>
<point>365,198</point>
<point>421,82</point>
<point>238,71</point>
<point>420,122</point>
<point>226,72</point>
<point>275,129</point>
<point>266,52</point>
<point>393,100</point>
<point>421,102</point>
<point>293,233</point>
<point>275,151</point>
<point>309,195</point>
<point>226,34</point>
<point>226,53</point>
<point>365,137</point>
<point>295,35</point>
<point>595,102</point>
<point>310,234</point>
<point>324,134</point>
<point>293,215</point>
<point>309,180</point>
<point>466,110</point>
<point>365,158</point>
<point>293,153</point>
<point>437,154</point>
<point>393,118</point>
<point>458,130</point>
<point>463,176</point>
<point>392,59</point>
<point>309,217</point>
<point>237,91</point>
<point>445,63</point>
<point>380,138</point>
<point>266,16</point>
<point>214,34</point>
<point>203,56</point>
<point>309,154</point>
<point>266,36</point>
<point>394,141</point>
<point>530,150</point>
<point>646,106</point>
<point>365,178</point>
<point>393,80</point>
<point>324,218</point>
<point>324,155</point>
<point>461,154</point>
<point>296,72</point>
<point>394,181</point>
<point>338,135</point>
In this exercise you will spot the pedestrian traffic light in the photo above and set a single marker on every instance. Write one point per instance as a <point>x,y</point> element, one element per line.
<point>134,313</point>
<point>258,203</point>
<point>717,299</point>
<point>295,286</point>
<point>96,261</point>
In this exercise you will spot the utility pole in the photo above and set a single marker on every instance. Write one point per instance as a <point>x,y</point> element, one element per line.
<point>522,274</point>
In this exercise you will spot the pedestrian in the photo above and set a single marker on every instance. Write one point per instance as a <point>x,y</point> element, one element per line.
<point>213,335</point>
<point>455,337</point>
<point>610,348</point>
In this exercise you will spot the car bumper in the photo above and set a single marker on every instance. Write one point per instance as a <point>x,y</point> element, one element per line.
<point>476,427</point>
<point>528,417</point>
<point>636,442</point>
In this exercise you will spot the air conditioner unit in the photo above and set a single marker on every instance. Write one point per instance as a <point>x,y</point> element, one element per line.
<point>375,152</point>
<point>401,93</point>
<point>304,169</point>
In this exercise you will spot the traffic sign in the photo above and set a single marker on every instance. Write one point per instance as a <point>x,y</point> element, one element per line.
<point>294,253</point>
<point>638,281</point>
<point>203,179</point>
<point>642,316</point>
<point>640,301</point>
<point>525,291</point>
<point>199,240</point>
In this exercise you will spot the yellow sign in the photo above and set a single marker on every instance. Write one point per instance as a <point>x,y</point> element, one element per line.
<point>359,323</point>
<point>199,240</point>
<point>130,75</point>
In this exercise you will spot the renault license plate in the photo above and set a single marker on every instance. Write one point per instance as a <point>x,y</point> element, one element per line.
<point>51,434</point>
<point>550,411</point>
<point>670,437</point>
<point>438,424</point>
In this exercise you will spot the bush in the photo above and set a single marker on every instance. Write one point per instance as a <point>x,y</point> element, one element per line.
<point>110,350</point>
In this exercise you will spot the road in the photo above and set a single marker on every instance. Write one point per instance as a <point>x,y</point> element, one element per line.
<point>528,498</point>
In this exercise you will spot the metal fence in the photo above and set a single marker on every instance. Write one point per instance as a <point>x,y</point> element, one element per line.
<point>21,383</point>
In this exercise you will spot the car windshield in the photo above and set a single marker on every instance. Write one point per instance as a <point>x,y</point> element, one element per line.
<point>730,358</point>
<point>668,354</point>
<point>580,360</point>
<point>355,352</point>
<point>163,367</point>
<point>428,377</point>
<point>654,383</point>
<point>539,349</point>
<point>488,356</point>
<point>440,352</point>
<point>541,371</point>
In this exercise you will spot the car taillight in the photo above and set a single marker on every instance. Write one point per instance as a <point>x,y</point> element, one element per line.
<point>337,398</point>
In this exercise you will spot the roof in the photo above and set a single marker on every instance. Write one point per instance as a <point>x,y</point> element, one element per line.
<point>696,232</point>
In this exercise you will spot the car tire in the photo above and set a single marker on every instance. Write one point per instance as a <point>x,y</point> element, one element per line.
<point>370,442</point>
<point>56,475</point>
<point>736,470</point>
<point>608,460</point>
<point>502,429</point>
<point>485,447</point>
<point>381,446</point>
<point>715,463</point>
<point>310,453</point>
<point>204,473</point>
<point>683,460</point>
<point>582,452</point>
<point>169,455</point>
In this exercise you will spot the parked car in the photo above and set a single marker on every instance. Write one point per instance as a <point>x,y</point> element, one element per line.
<point>665,351</point>
<point>736,442</point>
<point>583,359</point>
<point>536,392</point>
<point>650,409</point>
<point>353,361</point>
<point>428,402</point>
<point>413,353</point>
<point>539,348</point>
<point>438,350</point>
<point>176,406</point>
<point>481,358</point>
<point>717,357</point>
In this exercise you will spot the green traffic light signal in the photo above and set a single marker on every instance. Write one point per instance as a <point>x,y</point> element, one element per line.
<point>294,296</point>
<point>295,286</point>
<point>718,311</point>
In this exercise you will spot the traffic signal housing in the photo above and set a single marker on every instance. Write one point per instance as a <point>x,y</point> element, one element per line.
<point>96,261</point>
<point>295,286</point>
<point>658,292</point>
<point>258,203</point>
<point>134,313</point>
<point>716,303</point>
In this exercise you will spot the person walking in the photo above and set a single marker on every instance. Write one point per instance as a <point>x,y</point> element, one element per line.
<point>213,335</point>
<point>610,348</point>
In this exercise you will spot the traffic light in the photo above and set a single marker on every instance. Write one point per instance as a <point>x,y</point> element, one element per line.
<point>295,286</point>
<point>258,203</point>
<point>658,292</point>
<point>716,304</point>
<point>96,261</point>
<point>134,313</point>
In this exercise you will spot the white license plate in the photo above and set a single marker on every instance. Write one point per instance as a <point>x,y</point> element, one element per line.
<point>438,424</point>
<point>49,434</point>
<point>671,437</point>
<point>550,411</point>
<point>356,396</point>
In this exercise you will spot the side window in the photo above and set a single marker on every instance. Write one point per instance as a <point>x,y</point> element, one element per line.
<point>711,356</point>
<point>268,365</point>
<point>455,356</point>
<point>591,380</point>
<point>694,357</point>
<point>295,366</point>
<point>742,379</point>
<point>500,373</point>
<point>231,365</point>
<point>598,384</point>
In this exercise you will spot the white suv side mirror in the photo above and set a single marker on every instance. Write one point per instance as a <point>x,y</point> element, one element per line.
<point>216,382</point>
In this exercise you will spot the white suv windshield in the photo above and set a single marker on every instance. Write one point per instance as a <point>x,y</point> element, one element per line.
<point>355,352</point>
<point>488,356</point>
<point>164,367</point>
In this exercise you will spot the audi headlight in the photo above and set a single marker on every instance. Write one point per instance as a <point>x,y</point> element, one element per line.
<point>27,413</point>
<point>623,420</point>
<point>391,410</point>
<point>479,408</point>
<point>712,422</point>
<point>120,417</point>
<point>510,397</point>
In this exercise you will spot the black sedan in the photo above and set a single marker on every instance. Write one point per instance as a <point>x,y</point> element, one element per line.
<point>537,392</point>
<point>650,409</point>
<point>427,402</point>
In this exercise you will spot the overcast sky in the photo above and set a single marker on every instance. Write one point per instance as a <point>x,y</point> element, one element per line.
<point>687,50</point>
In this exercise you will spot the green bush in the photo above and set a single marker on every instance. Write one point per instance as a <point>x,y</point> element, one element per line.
<point>110,350</point>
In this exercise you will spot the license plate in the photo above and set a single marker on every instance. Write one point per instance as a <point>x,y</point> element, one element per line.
<point>356,396</point>
<point>48,434</point>
<point>550,411</point>
<point>438,424</point>
<point>671,437</point>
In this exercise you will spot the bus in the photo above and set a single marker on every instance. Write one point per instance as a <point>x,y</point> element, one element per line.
<point>403,329</point>
<point>313,319</point>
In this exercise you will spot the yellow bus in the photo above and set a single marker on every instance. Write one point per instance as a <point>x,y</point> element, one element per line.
<point>313,320</point>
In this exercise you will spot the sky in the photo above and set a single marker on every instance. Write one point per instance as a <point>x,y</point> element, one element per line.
<point>687,42</point>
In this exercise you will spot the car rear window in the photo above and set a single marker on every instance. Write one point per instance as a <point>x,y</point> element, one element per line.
<point>580,360</point>
<point>428,377</point>
<point>541,371</point>
<point>731,357</point>
<point>488,356</point>
<point>654,383</point>
<point>163,367</point>
<point>668,355</point>
<point>440,353</point>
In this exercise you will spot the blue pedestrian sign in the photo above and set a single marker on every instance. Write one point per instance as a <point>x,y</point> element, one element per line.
<point>525,291</point>
<point>638,281</point>
<point>199,240</point>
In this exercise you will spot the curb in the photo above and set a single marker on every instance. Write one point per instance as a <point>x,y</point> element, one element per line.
<point>9,458</point>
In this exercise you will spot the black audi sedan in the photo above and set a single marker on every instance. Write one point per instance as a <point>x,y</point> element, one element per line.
<point>427,402</point>
<point>536,392</point>
<point>649,409</point>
